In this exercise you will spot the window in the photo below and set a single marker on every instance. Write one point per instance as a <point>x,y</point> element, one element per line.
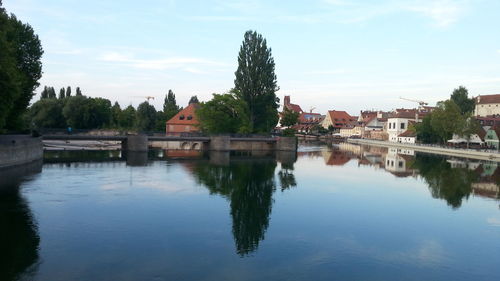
<point>402,125</point>
<point>400,164</point>
<point>189,117</point>
<point>181,117</point>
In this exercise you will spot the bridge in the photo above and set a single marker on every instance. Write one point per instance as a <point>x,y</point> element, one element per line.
<point>215,143</point>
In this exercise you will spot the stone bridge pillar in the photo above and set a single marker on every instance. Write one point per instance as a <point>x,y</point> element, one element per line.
<point>220,143</point>
<point>135,143</point>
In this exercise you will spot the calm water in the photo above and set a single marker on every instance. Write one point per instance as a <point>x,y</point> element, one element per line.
<point>334,213</point>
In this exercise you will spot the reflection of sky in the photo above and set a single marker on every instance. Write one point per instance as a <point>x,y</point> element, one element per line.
<point>339,223</point>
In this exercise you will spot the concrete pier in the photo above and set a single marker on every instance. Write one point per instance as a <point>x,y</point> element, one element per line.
<point>19,149</point>
<point>137,143</point>
<point>220,143</point>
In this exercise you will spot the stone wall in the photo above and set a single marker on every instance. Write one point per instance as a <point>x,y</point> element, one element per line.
<point>19,149</point>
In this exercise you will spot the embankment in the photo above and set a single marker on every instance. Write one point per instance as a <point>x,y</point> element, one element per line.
<point>19,149</point>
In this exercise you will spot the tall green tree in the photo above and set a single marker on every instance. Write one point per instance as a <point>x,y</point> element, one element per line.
<point>47,113</point>
<point>446,120</point>
<point>45,93</point>
<point>62,93</point>
<point>20,68</point>
<point>78,92</point>
<point>461,98</point>
<point>116,111</point>
<point>470,126</point>
<point>52,93</point>
<point>170,107</point>
<point>288,119</point>
<point>255,82</point>
<point>223,114</point>
<point>145,117</point>
<point>68,91</point>
<point>425,132</point>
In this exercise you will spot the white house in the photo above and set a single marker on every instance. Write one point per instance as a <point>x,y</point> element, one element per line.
<point>399,124</point>
<point>487,105</point>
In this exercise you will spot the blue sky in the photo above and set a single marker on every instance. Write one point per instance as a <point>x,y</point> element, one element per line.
<point>329,54</point>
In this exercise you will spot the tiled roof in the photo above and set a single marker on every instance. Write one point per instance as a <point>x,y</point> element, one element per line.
<point>408,133</point>
<point>187,116</point>
<point>294,107</point>
<point>340,117</point>
<point>488,99</point>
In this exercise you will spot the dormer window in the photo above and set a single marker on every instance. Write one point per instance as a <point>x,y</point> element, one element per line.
<point>181,117</point>
<point>189,117</point>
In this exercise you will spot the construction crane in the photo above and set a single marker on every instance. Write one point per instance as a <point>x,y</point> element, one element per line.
<point>420,103</point>
<point>311,109</point>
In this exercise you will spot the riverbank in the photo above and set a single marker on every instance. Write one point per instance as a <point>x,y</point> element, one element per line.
<point>19,149</point>
<point>465,153</point>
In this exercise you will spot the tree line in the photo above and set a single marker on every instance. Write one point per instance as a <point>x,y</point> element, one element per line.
<point>20,69</point>
<point>82,112</point>
<point>452,116</point>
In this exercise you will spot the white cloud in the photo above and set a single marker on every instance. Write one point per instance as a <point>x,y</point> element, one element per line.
<point>443,13</point>
<point>185,63</point>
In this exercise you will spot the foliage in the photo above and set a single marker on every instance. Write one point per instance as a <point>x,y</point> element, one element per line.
<point>446,120</point>
<point>223,114</point>
<point>289,117</point>
<point>87,113</point>
<point>68,91</point>
<point>425,132</point>
<point>194,99</point>
<point>461,99</point>
<point>62,93</point>
<point>20,69</point>
<point>47,113</point>
<point>170,107</point>
<point>127,117</point>
<point>255,82</point>
<point>470,126</point>
<point>289,132</point>
<point>116,112</point>
<point>145,117</point>
<point>78,92</point>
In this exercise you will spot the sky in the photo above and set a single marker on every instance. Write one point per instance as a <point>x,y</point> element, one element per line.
<point>330,54</point>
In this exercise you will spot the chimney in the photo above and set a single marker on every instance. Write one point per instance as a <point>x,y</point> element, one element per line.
<point>287,101</point>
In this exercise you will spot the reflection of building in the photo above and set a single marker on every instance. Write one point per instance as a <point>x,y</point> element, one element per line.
<point>398,162</point>
<point>183,122</point>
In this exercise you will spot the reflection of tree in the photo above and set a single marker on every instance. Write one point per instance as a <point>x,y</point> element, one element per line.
<point>20,240</point>
<point>451,184</point>
<point>286,176</point>
<point>249,185</point>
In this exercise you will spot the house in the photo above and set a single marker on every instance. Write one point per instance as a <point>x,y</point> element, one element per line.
<point>291,106</point>
<point>399,123</point>
<point>476,139</point>
<point>183,122</point>
<point>308,122</point>
<point>487,105</point>
<point>409,136</point>
<point>492,137</point>
<point>338,120</point>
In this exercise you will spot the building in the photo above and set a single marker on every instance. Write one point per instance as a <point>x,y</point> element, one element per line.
<point>487,105</point>
<point>399,123</point>
<point>308,122</point>
<point>291,106</point>
<point>338,120</point>
<point>409,136</point>
<point>183,122</point>
<point>492,137</point>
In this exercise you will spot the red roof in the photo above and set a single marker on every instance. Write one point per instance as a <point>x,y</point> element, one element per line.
<point>294,107</point>
<point>187,116</point>
<point>488,99</point>
<point>340,118</point>
<point>408,133</point>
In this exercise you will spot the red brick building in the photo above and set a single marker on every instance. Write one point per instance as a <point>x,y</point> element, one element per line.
<point>183,122</point>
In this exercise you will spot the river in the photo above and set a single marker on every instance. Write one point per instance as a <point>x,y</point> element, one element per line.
<point>337,212</point>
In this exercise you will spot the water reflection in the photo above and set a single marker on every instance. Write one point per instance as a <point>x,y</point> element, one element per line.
<point>452,180</point>
<point>249,185</point>
<point>20,240</point>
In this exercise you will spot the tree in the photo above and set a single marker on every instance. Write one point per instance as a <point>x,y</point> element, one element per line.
<point>288,119</point>
<point>78,92</point>
<point>461,99</point>
<point>45,93</point>
<point>127,117</point>
<point>47,113</point>
<point>52,93</point>
<point>146,117</point>
<point>68,91</point>
<point>446,120</point>
<point>76,112</point>
<point>223,114</point>
<point>116,111</point>
<point>194,99</point>
<point>425,132</point>
<point>20,68</point>
<point>255,82</point>
<point>62,93</point>
<point>170,107</point>
<point>470,126</point>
